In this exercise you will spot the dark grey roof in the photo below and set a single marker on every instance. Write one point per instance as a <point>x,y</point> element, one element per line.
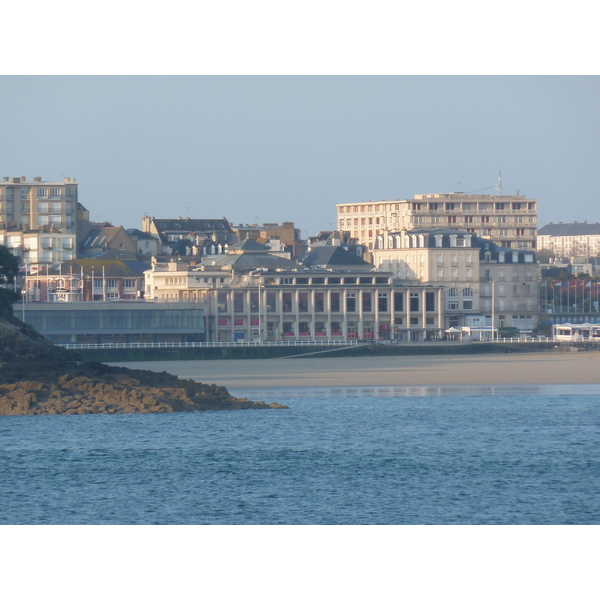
<point>140,235</point>
<point>191,225</point>
<point>249,261</point>
<point>112,268</point>
<point>570,229</point>
<point>247,245</point>
<point>332,256</point>
<point>98,236</point>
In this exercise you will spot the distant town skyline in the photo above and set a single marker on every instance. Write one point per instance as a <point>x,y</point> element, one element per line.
<point>289,148</point>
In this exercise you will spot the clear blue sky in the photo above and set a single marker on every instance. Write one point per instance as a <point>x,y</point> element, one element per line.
<point>288,148</point>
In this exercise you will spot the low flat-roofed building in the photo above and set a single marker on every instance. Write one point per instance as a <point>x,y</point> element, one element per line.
<point>115,322</point>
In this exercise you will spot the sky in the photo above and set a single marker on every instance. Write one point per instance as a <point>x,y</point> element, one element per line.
<point>276,148</point>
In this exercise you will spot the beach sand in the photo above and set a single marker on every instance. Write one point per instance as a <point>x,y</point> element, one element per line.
<point>498,369</point>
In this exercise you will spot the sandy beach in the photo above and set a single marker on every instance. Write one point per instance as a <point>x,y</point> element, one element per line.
<point>503,369</point>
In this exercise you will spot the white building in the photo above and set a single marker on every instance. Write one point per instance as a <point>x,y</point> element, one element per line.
<point>510,221</point>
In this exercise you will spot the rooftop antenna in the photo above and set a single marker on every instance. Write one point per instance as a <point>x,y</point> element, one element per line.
<point>499,185</point>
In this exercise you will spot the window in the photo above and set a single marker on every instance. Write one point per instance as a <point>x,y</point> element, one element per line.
<point>414,301</point>
<point>303,302</point>
<point>319,302</point>
<point>334,299</point>
<point>382,302</point>
<point>351,302</point>
<point>238,302</point>
<point>467,304</point>
<point>366,302</point>
<point>398,301</point>
<point>452,304</point>
<point>429,301</point>
<point>287,302</point>
<point>42,193</point>
<point>222,302</point>
<point>468,292</point>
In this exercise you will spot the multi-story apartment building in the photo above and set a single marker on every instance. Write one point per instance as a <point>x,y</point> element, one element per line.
<point>510,221</point>
<point>248,297</point>
<point>567,240</point>
<point>38,219</point>
<point>482,282</point>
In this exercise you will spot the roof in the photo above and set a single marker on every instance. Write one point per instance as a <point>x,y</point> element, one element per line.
<point>111,268</point>
<point>483,245</point>
<point>247,245</point>
<point>248,255</point>
<point>140,235</point>
<point>100,236</point>
<point>332,256</point>
<point>191,225</point>
<point>570,229</point>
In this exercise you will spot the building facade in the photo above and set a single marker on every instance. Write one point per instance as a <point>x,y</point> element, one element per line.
<point>38,219</point>
<point>251,295</point>
<point>483,283</point>
<point>567,240</point>
<point>510,221</point>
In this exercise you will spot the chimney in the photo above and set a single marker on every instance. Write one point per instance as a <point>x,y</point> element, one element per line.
<point>23,178</point>
<point>5,178</point>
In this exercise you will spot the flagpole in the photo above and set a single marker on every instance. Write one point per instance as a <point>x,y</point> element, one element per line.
<point>103,285</point>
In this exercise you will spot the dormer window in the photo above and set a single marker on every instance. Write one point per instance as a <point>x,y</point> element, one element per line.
<point>438,241</point>
<point>453,241</point>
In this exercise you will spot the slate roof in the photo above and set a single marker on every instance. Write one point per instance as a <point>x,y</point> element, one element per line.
<point>570,229</point>
<point>140,235</point>
<point>191,225</point>
<point>112,268</point>
<point>248,255</point>
<point>332,256</point>
<point>99,236</point>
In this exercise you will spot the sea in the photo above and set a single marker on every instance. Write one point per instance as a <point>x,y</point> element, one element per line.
<point>520,455</point>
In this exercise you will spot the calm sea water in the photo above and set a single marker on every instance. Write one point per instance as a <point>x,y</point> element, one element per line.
<point>503,455</point>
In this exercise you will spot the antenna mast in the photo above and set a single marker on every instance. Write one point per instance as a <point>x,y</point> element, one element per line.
<point>499,186</point>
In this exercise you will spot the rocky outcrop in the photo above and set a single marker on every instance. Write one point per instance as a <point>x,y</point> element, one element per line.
<point>43,388</point>
<point>39,378</point>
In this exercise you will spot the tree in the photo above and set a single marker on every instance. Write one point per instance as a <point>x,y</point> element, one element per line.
<point>9,266</point>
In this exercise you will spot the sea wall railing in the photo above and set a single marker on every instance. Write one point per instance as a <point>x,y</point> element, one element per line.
<point>126,345</point>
